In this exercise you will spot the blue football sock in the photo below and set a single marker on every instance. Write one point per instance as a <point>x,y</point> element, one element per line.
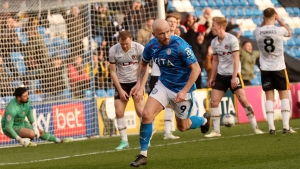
<point>196,121</point>
<point>145,134</point>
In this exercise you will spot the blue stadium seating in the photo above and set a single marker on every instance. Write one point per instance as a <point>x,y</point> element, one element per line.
<point>219,3</point>
<point>18,58</point>
<point>244,3</point>
<point>241,12</point>
<point>212,4</point>
<point>275,2</point>
<point>2,101</point>
<point>101,93</point>
<point>67,93</point>
<point>7,99</point>
<point>195,3</point>
<point>88,93</point>
<point>251,3</point>
<point>35,98</point>
<point>289,10</point>
<point>227,3</point>
<point>198,12</point>
<point>110,92</point>
<point>296,10</point>
<point>235,2</point>
<point>297,31</point>
<point>203,4</point>
<point>291,42</point>
<point>41,29</point>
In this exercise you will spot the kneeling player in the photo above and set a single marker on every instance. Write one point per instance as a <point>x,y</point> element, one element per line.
<point>14,125</point>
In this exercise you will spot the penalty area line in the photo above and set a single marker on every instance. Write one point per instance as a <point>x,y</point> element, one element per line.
<point>112,151</point>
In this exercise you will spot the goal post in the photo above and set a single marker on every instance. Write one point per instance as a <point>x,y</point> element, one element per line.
<point>58,49</point>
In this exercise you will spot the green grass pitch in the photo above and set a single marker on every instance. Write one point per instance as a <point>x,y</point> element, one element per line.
<point>238,148</point>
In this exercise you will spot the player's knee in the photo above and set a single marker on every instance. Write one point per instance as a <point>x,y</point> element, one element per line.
<point>147,116</point>
<point>243,100</point>
<point>214,103</point>
<point>31,135</point>
<point>119,114</point>
<point>41,132</point>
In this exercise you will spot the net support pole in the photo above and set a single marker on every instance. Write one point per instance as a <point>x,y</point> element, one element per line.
<point>161,9</point>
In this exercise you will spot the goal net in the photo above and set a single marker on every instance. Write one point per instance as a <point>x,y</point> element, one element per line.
<point>58,49</point>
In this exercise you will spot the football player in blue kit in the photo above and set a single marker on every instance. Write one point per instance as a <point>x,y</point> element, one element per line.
<point>179,71</point>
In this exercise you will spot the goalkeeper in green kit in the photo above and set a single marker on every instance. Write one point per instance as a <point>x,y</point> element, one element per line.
<point>14,125</point>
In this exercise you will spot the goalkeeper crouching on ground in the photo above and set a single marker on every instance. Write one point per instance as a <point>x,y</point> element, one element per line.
<point>14,125</point>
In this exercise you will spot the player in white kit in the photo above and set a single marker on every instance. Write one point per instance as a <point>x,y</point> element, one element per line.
<point>124,58</point>
<point>155,73</point>
<point>225,74</point>
<point>273,71</point>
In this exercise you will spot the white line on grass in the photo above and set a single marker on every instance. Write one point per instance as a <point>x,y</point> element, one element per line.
<point>111,151</point>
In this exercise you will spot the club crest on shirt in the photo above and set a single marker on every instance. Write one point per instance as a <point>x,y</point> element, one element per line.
<point>23,113</point>
<point>226,46</point>
<point>169,51</point>
<point>134,57</point>
<point>154,91</point>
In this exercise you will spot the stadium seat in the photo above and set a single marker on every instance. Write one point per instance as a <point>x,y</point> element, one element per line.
<point>98,40</point>
<point>297,41</point>
<point>35,98</point>
<point>256,69</point>
<point>225,11</point>
<point>212,4</point>
<point>235,2</point>
<point>18,59</point>
<point>289,10</point>
<point>16,83</point>
<point>296,10</point>
<point>227,3</point>
<point>7,99</point>
<point>41,29</point>
<point>219,3</point>
<point>203,4</point>
<point>110,92</point>
<point>67,93</point>
<point>101,93</point>
<point>255,81</point>
<point>291,42</point>
<point>195,3</point>
<point>198,12</point>
<point>88,94</point>
<point>244,3</point>
<point>24,37</point>
<point>16,56</point>
<point>251,3</point>
<point>297,31</point>
<point>291,53</point>
<point>241,12</point>
<point>233,12</point>
<point>275,2</point>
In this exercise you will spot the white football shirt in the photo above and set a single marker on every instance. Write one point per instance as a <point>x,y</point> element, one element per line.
<point>224,52</point>
<point>269,40</point>
<point>126,62</point>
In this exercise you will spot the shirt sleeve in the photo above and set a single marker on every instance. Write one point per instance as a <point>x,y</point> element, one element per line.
<point>147,54</point>
<point>234,44</point>
<point>9,122</point>
<point>187,54</point>
<point>111,55</point>
<point>141,50</point>
<point>213,48</point>
<point>283,31</point>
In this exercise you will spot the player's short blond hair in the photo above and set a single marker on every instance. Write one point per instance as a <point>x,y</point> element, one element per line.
<point>172,15</point>
<point>269,12</point>
<point>221,21</point>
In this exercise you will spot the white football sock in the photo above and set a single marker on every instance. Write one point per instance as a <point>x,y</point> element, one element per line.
<point>215,116</point>
<point>168,120</point>
<point>285,113</point>
<point>122,128</point>
<point>250,114</point>
<point>270,114</point>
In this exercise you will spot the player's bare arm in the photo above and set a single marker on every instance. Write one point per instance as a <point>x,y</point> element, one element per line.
<point>142,76</point>
<point>236,63</point>
<point>214,69</point>
<point>113,73</point>
<point>192,79</point>
<point>283,25</point>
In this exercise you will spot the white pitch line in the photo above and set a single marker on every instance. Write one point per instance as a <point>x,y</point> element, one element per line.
<point>112,151</point>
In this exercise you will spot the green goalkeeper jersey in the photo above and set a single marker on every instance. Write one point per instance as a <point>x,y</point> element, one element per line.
<point>15,115</point>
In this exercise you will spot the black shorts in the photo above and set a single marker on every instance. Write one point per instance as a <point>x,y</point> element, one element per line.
<point>278,80</point>
<point>223,82</point>
<point>152,82</point>
<point>126,87</point>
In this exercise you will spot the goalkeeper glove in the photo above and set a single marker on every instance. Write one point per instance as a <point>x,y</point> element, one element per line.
<point>36,130</point>
<point>23,141</point>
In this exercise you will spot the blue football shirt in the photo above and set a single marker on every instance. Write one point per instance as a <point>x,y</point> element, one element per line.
<point>173,61</point>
